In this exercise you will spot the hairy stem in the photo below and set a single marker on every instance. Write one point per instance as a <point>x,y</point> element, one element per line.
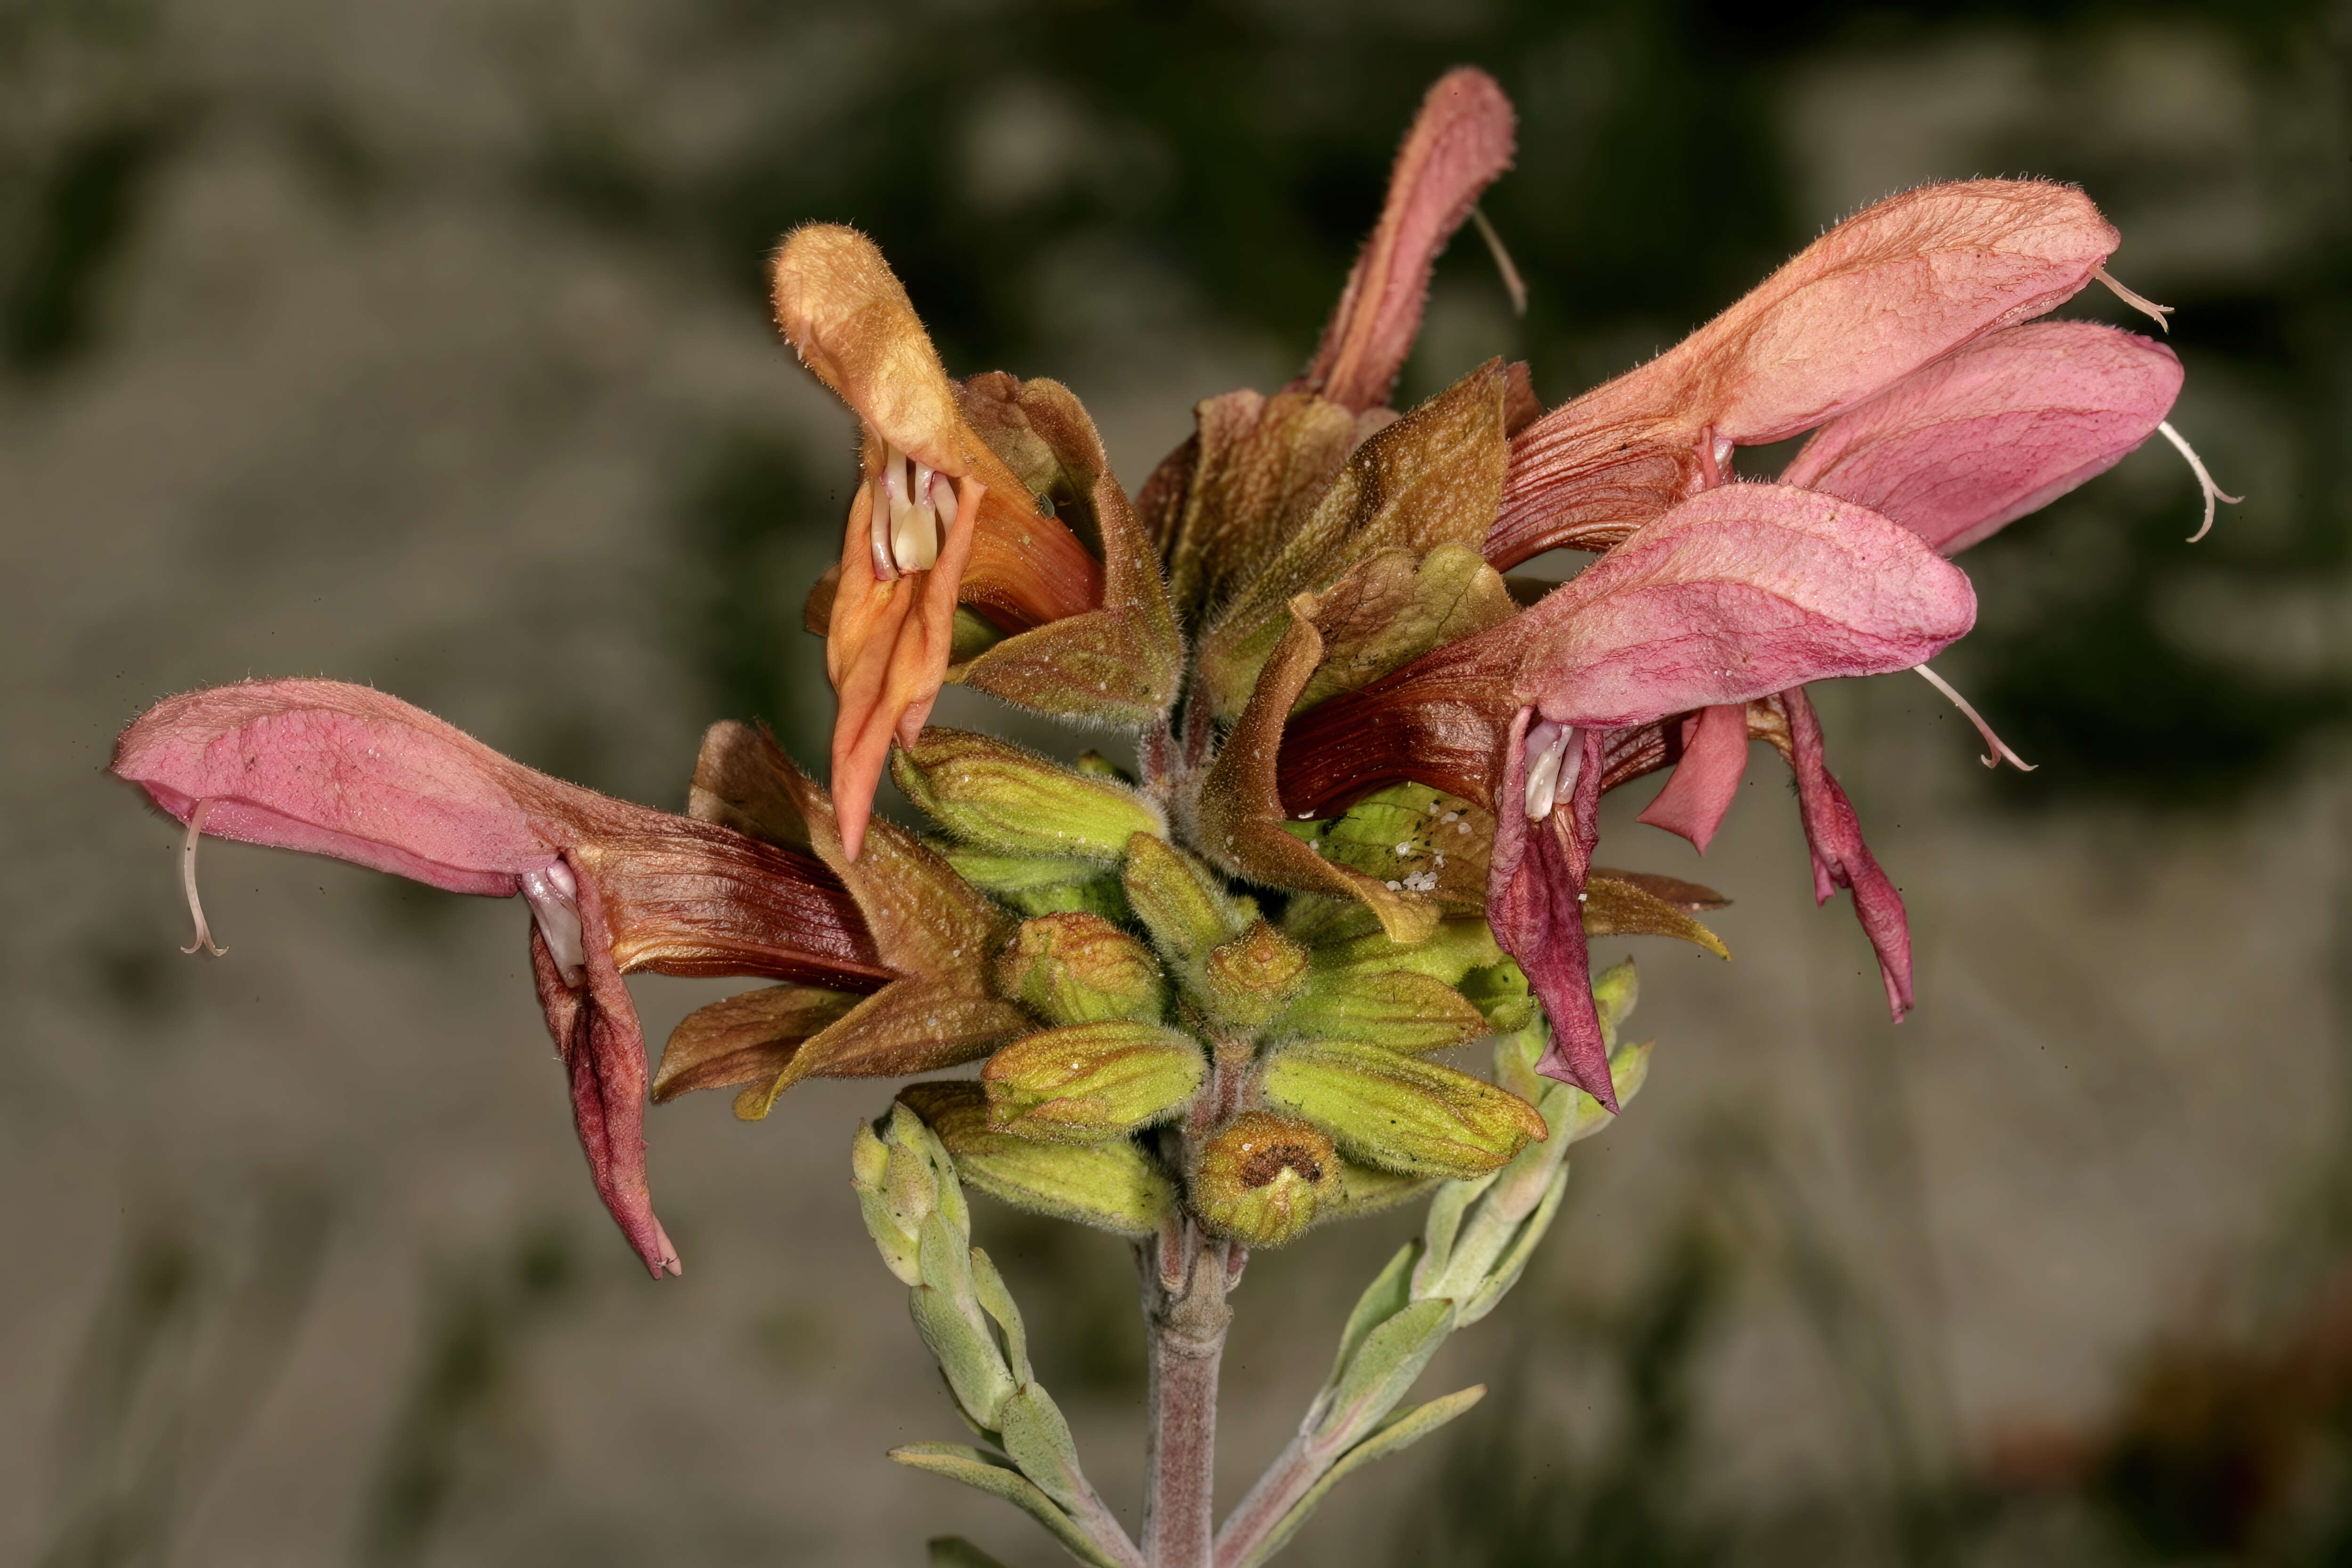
<point>1290,1478</point>
<point>1184,1284</point>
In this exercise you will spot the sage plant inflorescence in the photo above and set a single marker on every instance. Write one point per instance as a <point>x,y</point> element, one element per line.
<point>1361,827</point>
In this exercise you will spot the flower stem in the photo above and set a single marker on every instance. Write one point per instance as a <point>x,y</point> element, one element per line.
<point>1184,1284</point>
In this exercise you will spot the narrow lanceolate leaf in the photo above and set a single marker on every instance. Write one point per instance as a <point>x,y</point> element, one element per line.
<point>955,1552</point>
<point>1383,1370</point>
<point>1398,1432</point>
<point>931,926</point>
<point>1112,1185</point>
<point>1433,478</point>
<point>1400,1111</point>
<point>1083,1083</point>
<point>1121,661</point>
<point>997,1476</point>
<point>1037,1438</point>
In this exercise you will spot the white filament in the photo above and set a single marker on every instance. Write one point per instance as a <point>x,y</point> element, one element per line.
<point>553,895</point>
<point>203,943</point>
<point>910,500</point>
<point>2140,302</point>
<point>1552,771</point>
<point>2000,749</point>
<point>1513,284</point>
<point>2204,480</point>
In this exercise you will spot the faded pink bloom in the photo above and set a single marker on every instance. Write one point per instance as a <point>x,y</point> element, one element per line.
<point>338,770</point>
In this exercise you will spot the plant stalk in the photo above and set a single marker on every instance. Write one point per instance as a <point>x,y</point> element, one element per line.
<point>1185,1278</point>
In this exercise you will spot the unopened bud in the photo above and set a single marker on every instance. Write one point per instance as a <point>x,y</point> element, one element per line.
<point>1253,978</point>
<point>1043,884</point>
<point>1400,1111</point>
<point>1112,1185</point>
<point>1454,950</point>
<point>904,1176</point>
<point>1185,908</point>
<point>1081,969</point>
<point>1091,1081</point>
<point>1400,1011</point>
<point>1260,1178</point>
<point>1002,798</point>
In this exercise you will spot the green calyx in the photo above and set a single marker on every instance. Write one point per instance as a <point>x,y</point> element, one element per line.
<point>1078,968</point>
<point>1088,1082</point>
<point>1000,798</point>
<point>1399,1112</point>
<point>1112,1185</point>
<point>1261,1178</point>
<point>1250,979</point>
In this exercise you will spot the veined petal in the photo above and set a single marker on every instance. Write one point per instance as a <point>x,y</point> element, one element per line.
<point>1960,449</point>
<point>1459,143</point>
<point>1899,284</point>
<point>1711,604</point>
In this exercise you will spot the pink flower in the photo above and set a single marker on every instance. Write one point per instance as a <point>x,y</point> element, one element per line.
<point>332,769</point>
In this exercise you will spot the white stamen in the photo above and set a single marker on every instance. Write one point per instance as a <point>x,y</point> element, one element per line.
<point>204,941</point>
<point>2139,302</point>
<point>1513,284</point>
<point>2000,749</point>
<point>917,543</point>
<point>553,895</point>
<point>1550,772</point>
<point>879,530</point>
<point>2214,492</point>
<point>908,501</point>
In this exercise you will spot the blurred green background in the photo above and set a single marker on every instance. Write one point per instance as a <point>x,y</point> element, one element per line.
<point>424,345</point>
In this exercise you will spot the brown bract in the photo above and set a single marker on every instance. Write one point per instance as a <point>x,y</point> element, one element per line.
<point>1433,478</point>
<point>935,932</point>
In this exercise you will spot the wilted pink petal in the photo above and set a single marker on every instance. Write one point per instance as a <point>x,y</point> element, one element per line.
<point>1961,449</point>
<point>1460,143</point>
<point>1535,887</point>
<point>1706,776</point>
<point>1841,860</point>
<point>1894,286</point>
<point>604,1047</point>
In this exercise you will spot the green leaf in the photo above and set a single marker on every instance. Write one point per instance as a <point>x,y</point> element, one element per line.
<point>955,1552</point>
<point>1383,1299</point>
<point>1038,1440</point>
<point>1443,1222</point>
<point>1507,1271</point>
<point>985,1472</point>
<point>996,1300</point>
<point>1401,1432</point>
<point>1384,1369</point>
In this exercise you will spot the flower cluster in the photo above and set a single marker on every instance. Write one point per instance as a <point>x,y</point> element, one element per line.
<point>1363,822</point>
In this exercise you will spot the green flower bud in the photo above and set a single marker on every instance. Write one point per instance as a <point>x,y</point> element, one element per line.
<point>999,797</point>
<point>1185,908</point>
<point>1251,978</point>
<point>903,1177</point>
<point>1261,1178</point>
<point>1400,1011</point>
<point>1500,991</point>
<point>1399,1112</point>
<point>1456,947</point>
<point>1112,1185</point>
<point>1091,1081</point>
<point>1079,968</point>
